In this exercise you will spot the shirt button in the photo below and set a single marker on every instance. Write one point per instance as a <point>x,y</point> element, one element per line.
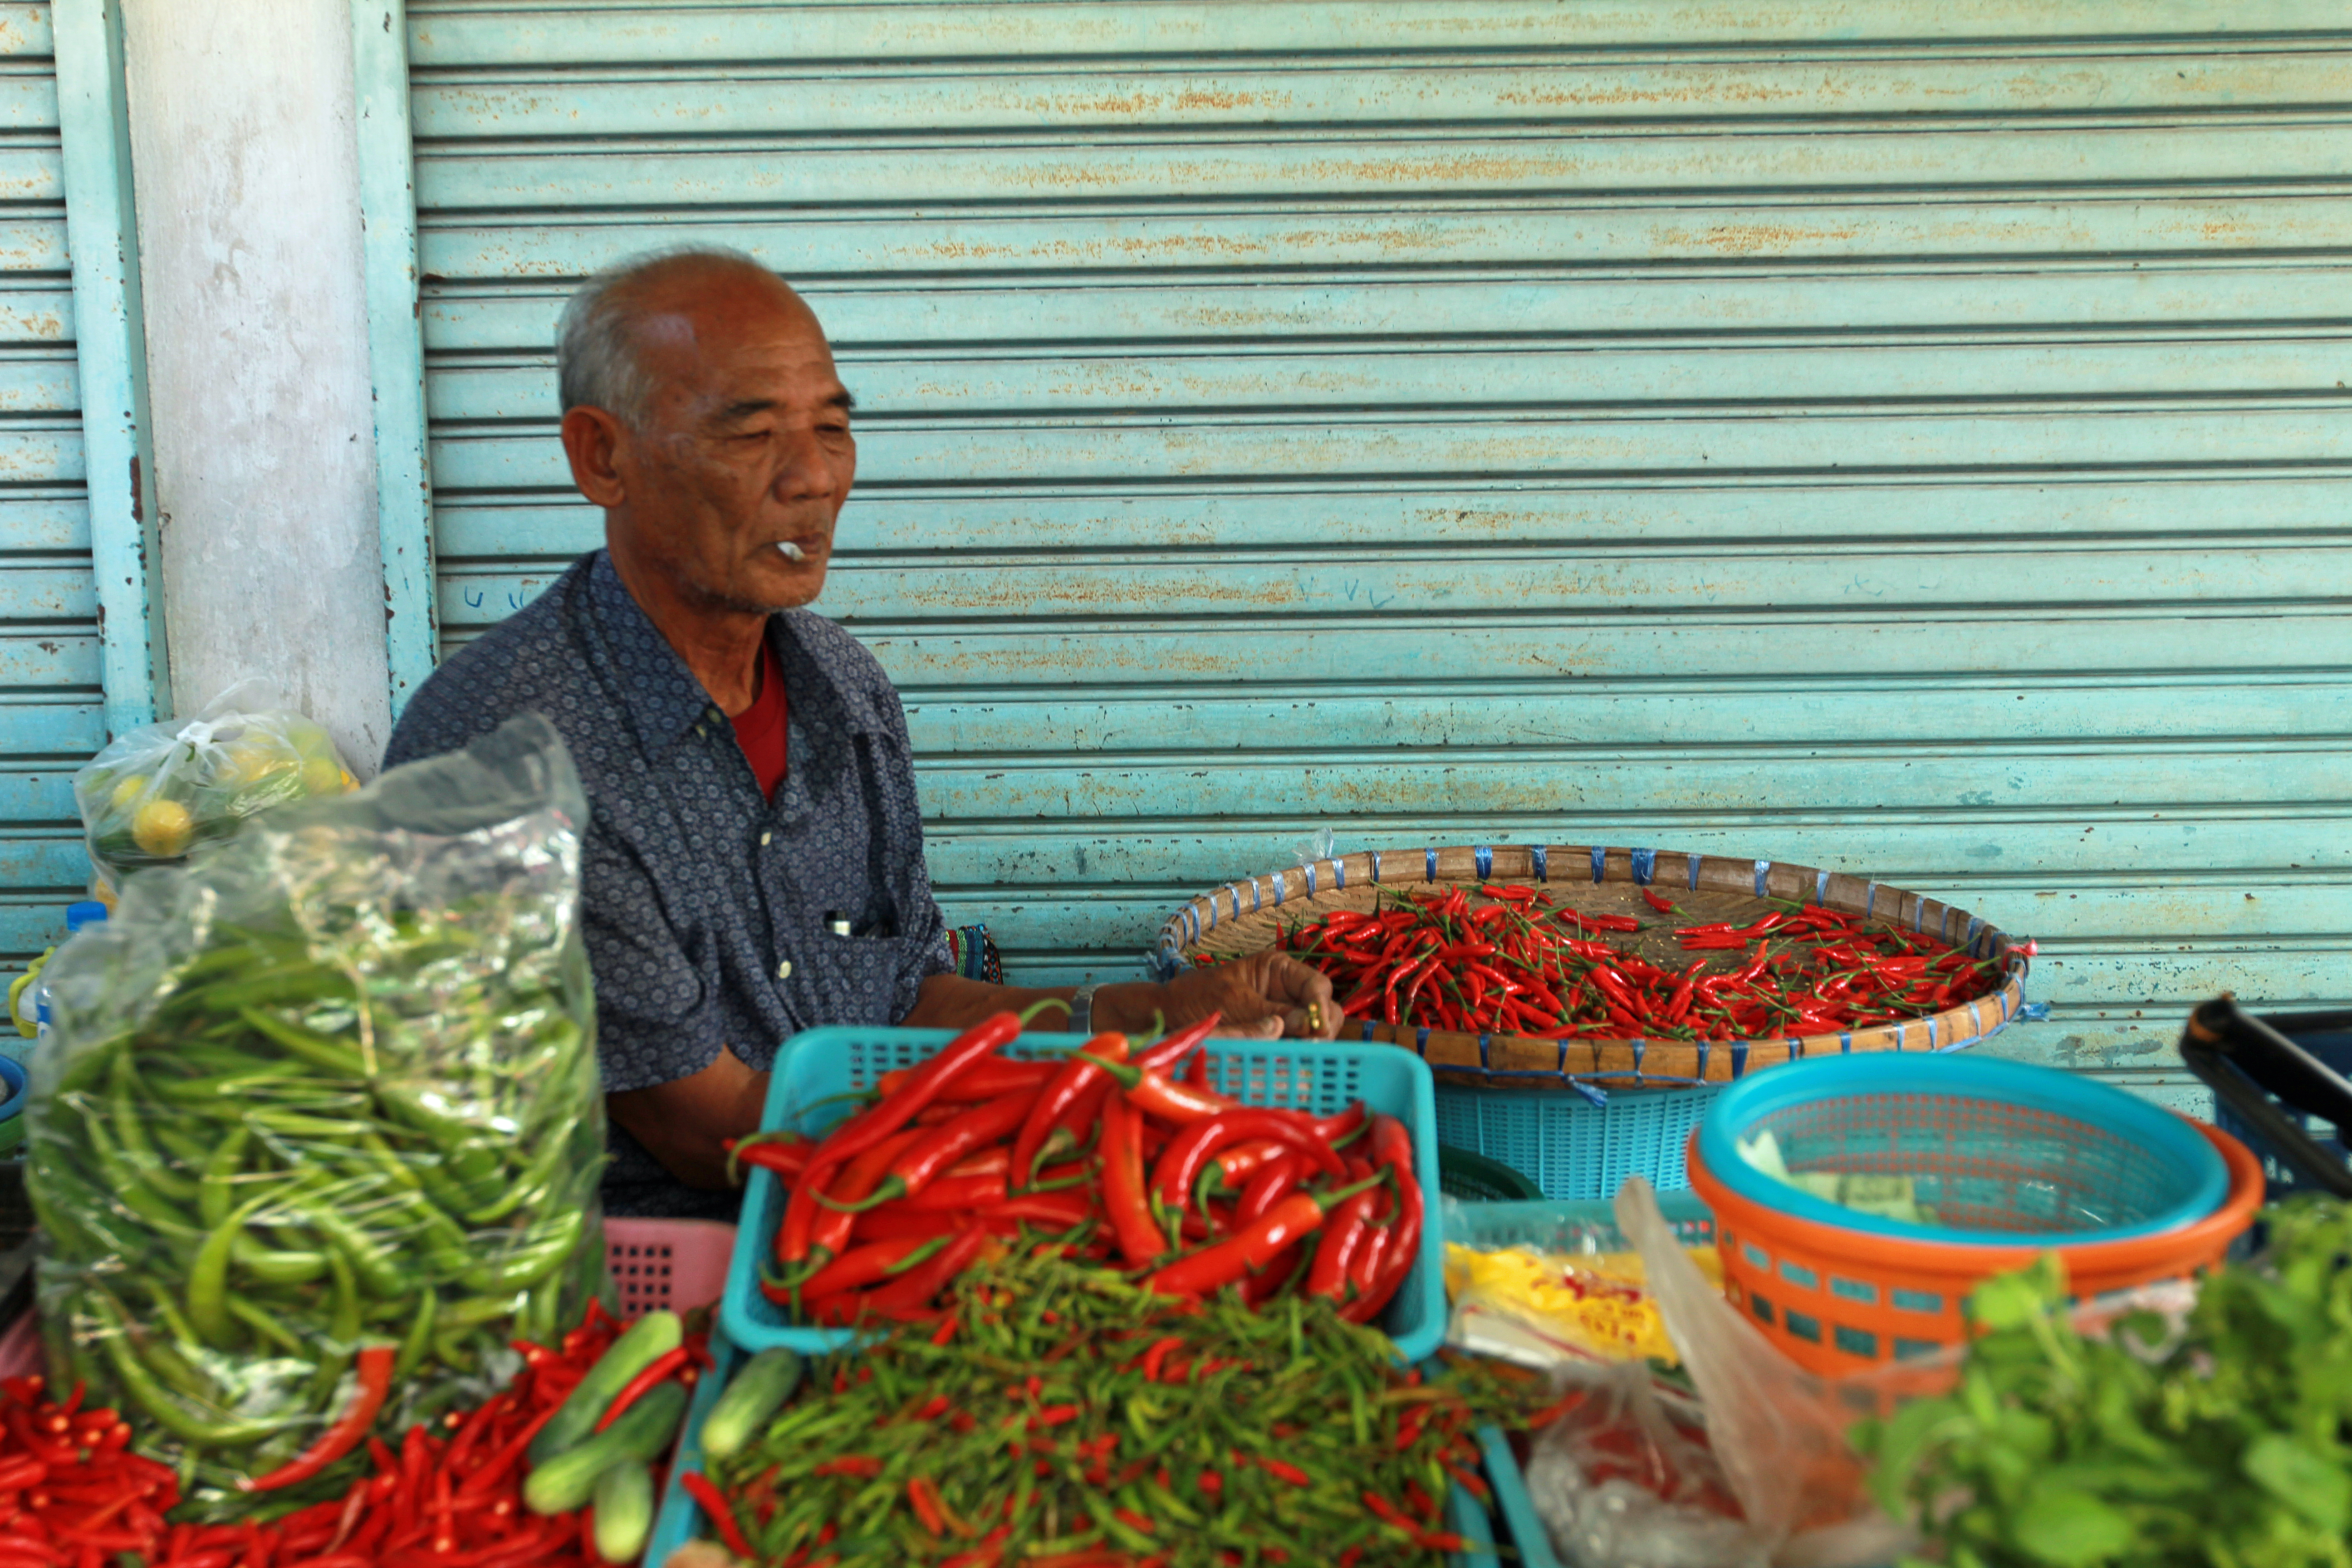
<point>764,837</point>
<point>784,969</point>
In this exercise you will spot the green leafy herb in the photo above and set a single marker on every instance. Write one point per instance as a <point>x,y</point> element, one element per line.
<point>2228,1445</point>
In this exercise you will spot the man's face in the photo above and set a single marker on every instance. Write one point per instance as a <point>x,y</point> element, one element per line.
<point>746,444</point>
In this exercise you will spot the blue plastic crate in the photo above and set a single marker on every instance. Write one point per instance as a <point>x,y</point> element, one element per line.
<point>2333,1049</point>
<point>680,1520</point>
<point>1521,1529</point>
<point>1574,1149</point>
<point>817,1069</point>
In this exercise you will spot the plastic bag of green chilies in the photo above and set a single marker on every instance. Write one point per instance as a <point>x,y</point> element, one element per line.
<point>331,1086</point>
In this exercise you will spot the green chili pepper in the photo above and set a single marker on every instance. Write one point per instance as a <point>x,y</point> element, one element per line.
<point>417,1343</point>
<point>166,1407</point>
<point>537,1257</point>
<point>138,1152</point>
<point>216,1191</point>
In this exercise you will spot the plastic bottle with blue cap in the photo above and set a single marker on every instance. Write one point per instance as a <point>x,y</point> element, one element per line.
<point>85,912</point>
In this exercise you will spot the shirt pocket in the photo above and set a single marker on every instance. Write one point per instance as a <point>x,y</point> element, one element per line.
<point>864,980</point>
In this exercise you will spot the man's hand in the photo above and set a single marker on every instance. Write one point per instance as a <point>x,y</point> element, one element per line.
<point>1261,997</point>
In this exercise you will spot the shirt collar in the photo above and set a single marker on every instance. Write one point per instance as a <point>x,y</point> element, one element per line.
<point>661,695</point>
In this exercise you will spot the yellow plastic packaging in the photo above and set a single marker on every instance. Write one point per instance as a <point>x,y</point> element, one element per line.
<point>1596,1304</point>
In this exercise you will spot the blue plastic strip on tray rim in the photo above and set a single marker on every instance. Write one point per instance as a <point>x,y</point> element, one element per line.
<point>2173,1138</point>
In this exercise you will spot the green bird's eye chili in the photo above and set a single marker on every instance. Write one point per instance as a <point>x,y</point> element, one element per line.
<point>1059,1414</point>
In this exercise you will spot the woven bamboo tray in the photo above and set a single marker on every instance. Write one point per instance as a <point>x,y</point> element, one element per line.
<point>1243,917</point>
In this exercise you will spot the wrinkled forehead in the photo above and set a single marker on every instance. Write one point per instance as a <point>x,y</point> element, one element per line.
<point>735,337</point>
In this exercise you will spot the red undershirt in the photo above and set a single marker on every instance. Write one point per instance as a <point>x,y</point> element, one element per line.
<point>760,729</point>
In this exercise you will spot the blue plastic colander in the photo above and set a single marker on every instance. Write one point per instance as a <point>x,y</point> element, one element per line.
<point>1997,1149</point>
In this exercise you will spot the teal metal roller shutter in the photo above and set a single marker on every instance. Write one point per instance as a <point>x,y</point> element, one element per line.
<point>73,560</point>
<point>1900,437</point>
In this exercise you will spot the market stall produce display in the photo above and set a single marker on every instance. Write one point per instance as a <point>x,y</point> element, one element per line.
<point>1585,982</point>
<point>1506,958</point>
<point>1055,1412</point>
<point>450,1493</point>
<point>322,1131</point>
<point>1109,1154</point>
<point>158,792</point>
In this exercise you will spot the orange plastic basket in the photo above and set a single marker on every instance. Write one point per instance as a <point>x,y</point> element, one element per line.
<point>1841,1301</point>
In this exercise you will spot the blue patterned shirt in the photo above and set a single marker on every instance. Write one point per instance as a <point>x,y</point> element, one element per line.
<point>705,907</point>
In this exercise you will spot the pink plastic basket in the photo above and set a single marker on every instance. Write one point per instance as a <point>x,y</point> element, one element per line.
<point>680,1264</point>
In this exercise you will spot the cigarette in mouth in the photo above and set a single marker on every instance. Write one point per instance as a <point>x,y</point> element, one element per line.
<point>791,552</point>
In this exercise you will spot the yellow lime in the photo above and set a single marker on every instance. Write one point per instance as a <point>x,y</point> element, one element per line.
<point>323,775</point>
<point>253,762</point>
<point>161,827</point>
<point>127,791</point>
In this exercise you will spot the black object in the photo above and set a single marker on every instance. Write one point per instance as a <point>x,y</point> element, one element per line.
<point>2274,1082</point>
<point>1474,1178</point>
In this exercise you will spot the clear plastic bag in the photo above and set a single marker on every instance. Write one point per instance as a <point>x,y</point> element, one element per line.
<point>161,790</point>
<point>1625,1479</point>
<point>331,1086</point>
<point>1777,1431</point>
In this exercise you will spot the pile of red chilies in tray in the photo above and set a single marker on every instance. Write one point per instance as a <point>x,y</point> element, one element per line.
<point>72,1495</point>
<point>1107,1155</point>
<point>1515,963</point>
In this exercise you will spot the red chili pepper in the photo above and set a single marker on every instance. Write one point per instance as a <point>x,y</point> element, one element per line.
<point>723,1513</point>
<point>858,1179</point>
<point>1226,1261</point>
<point>1140,1239</point>
<point>983,1124</point>
<point>868,1265</point>
<point>658,1370</point>
<point>1391,1150</point>
<point>1662,906</point>
<point>1061,1096</point>
<point>373,1371</point>
<point>783,1152</point>
<point>1162,1055</point>
<point>1285,1473</point>
<point>1180,1165</point>
<point>863,1132</point>
<point>1350,1223</point>
<point>915,1289</point>
<point>926,1503</point>
<point>1166,1098</point>
<point>987,1080</point>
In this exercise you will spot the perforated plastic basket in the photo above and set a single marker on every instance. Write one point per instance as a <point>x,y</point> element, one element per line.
<point>1999,1149</point>
<point>817,1069</point>
<point>680,1264</point>
<point>1573,1149</point>
<point>682,1517</point>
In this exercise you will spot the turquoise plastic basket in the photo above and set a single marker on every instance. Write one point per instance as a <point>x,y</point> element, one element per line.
<point>816,1069</point>
<point>1575,1151</point>
<point>1996,1148</point>
<point>680,1520</point>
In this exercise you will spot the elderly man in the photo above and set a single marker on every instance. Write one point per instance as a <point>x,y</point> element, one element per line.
<point>754,864</point>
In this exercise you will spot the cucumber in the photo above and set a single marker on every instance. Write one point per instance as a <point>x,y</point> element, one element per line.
<point>623,1512</point>
<point>567,1480</point>
<point>766,1381</point>
<point>652,1336</point>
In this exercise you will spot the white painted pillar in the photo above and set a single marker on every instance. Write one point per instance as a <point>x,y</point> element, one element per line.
<point>247,184</point>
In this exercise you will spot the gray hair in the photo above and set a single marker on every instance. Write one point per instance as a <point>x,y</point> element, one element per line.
<point>596,362</point>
